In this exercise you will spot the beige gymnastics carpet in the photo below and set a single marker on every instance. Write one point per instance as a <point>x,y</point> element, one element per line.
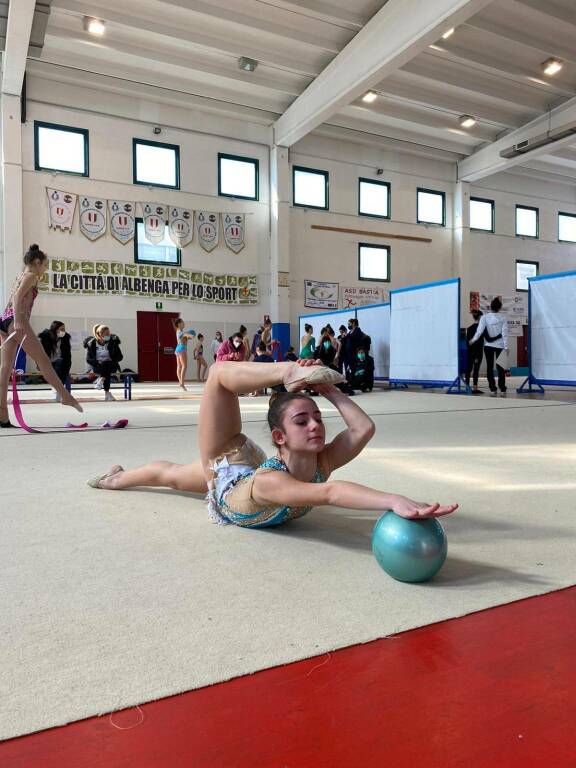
<point>109,599</point>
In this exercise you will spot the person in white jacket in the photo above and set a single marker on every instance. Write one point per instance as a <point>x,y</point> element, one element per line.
<point>494,328</point>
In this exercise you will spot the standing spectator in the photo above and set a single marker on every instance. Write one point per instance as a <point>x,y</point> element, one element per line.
<point>103,355</point>
<point>267,334</point>
<point>56,343</point>
<point>201,364</point>
<point>307,343</point>
<point>362,375</point>
<point>215,344</point>
<point>475,352</point>
<point>494,328</point>
<point>244,332</point>
<point>232,349</point>
<point>262,356</point>
<point>342,361</point>
<point>326,352</point>
<point>256,339</point>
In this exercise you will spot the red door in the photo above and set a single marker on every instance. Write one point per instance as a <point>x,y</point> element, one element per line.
<point>156,342</point>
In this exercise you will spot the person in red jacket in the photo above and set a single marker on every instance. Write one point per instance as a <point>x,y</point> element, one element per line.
<point>232,349</point>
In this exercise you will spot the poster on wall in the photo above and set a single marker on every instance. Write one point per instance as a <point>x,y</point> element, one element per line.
<point>351,296</point>
<point>122,221</point>
<point>61,208</point>
<point>113,278</point>
<point>513,306</point>
<point>234,231</point>
<point>180,226</point>
<point>92,217</point>
<point>319,295</point>
<point>154,216</point>
<point>207,229</point>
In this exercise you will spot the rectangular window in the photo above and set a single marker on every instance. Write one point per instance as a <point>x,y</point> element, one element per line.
<point>60,148</point>
<point>567,227</point>
<point>155,164</point>
<point>482,214</point>
<point>237,177</point>
<point>524,270</point>
<point>374,198</point>
<point>526,221</point>
<point>164,252</point>
<point>430,207</point>
<point>373,262</point>
<point>310,187</point>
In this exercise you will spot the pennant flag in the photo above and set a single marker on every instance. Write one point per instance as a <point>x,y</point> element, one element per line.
<point>180,226</point>
<point>208,229</point>
<point>234,231</point>
<point>92,217</point>
<point>61,208</point>
<point>154,216</point>
<point>122,221</point>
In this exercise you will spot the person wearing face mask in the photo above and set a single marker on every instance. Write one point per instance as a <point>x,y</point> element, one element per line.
<point>362,375</point>
<point>215,344</point>
<point>233,349</point>
<point>56,343</point>
<point>103,355</point>
<point>326,353</point>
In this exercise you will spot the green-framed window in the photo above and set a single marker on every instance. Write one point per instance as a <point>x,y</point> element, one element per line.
<point>527,221</point>
<point>374,262</point>
<point>238,177</point>
<point>61,148</point>
<point>482,214</point>
<point>430,207</point>
<point>310,188</point>
<point>155,164</point>
<point>374,198</point>
<point>524,270</point>
<point>164,252</point>
<point>566,227</point>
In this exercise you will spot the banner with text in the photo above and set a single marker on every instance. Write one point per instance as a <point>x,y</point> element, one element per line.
<point>92,278</point>
<point>320,295</point>
<point>351,296</point>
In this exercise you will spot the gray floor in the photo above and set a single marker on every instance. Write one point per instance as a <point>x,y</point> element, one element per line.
<point>113,599</point>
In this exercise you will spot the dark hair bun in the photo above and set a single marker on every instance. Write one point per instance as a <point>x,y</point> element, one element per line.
<point>34,247</point>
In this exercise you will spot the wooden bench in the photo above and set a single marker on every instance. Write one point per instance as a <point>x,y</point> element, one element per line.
<point>125,383</point>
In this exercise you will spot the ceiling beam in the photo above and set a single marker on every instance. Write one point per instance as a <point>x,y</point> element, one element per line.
<point>397,33</point>
<point>19,29</point>
<point>488,160</point>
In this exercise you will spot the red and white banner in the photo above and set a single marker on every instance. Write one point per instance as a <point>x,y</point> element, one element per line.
<point>208,229</point>
<point>234,231</point>
<point>92,217</point>
<point>154,216</point>
<point>122,220</point>
<point>180,226</point>
<point>61,208</point>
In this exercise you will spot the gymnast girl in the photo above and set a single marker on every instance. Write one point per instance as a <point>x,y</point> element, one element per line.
<point>181,351</point>
<point>15,329</point>
<point>243,486</point>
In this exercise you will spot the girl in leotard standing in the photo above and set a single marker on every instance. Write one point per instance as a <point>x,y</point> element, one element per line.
<point>249,490</point>
<point>181,351</point>
<point>15,329</point>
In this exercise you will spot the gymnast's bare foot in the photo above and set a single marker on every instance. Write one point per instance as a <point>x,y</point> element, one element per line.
<point>72,402</point>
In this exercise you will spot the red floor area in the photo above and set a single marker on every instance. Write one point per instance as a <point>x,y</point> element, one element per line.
<point>496,689</point>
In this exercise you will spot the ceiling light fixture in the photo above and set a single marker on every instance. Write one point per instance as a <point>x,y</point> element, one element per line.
<point>369,97</point>
<point>94,26</point>
<point>551,66</point>
<point>248,65</point>
<point>467,121</point>
<point>448,33</point>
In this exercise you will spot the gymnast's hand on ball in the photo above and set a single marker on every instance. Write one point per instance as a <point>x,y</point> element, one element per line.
<point>418,509</point>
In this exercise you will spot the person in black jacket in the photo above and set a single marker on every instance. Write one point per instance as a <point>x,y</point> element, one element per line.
<point>362,371</point>
<point>326,352</point>
<point>475,352</point>
<point>103,355</point>
<point>56,343</point>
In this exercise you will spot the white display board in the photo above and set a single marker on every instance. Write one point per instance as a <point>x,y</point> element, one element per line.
<point>424,333</point>
<point>375,321</point>
<point>552,324</point>
<point>335,318</point>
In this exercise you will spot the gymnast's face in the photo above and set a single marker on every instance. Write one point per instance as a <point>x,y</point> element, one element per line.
<point>302,428</point>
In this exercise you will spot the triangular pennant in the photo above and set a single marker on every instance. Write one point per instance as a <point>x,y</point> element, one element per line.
<point>234,231</point>
<point>208,229</point>
<point>122,221</point>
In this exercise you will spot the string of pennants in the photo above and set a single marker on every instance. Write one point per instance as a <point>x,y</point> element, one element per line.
<point>97,214</point>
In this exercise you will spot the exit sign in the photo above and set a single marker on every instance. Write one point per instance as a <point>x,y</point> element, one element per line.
<point>158,305</point>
